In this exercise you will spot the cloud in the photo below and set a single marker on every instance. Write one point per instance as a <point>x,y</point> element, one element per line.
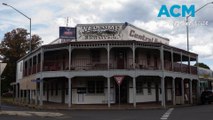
<point>48,15</point>
<point>203,50</point>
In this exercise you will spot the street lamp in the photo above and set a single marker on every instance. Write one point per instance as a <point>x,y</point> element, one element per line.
<point>187,24</point>
<point>24,16</point>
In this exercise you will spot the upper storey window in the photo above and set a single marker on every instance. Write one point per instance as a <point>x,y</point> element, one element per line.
<point>95,54</point>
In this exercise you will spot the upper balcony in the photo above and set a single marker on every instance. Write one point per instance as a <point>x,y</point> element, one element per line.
<point>119,58</point>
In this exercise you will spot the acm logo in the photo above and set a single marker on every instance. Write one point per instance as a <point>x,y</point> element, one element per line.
<point>177,11</point>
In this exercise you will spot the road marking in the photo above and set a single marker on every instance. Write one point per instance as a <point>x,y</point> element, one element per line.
<point>167,114</point>
<point>30,113</point>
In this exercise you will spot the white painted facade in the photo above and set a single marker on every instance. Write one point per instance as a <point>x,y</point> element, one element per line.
<point>63,72</point>
<point>88,98</point>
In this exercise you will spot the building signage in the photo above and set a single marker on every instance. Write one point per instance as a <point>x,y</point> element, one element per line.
<point>119,31</point>
<point>36,80</point>
<point>67,33</point>
<point>144,38</point>
<point>141,35</point>
<point>99,32</point>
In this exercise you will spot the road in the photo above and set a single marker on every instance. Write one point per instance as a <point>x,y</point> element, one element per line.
<point>202,112</point>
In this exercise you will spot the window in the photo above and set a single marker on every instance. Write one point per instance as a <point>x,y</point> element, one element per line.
<point>136,57</point>
<point>52,89</point>
<point>56,89</point>
<point>99,87</point>
<point>95,86</point>
<point>67,92</point>
<point>149,85</point>
<point>39,58</point>
<point>139,87</point>
<point>91,86</point>
<point>25,68</point>
<point>148,58</point>
<point>34,60</point>
<point>156,62</point>
<point>30,66</point>
<point>95,55</point>
<point>44,88</point>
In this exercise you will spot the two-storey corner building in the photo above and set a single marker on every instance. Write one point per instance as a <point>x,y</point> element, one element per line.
<point>89,69</point>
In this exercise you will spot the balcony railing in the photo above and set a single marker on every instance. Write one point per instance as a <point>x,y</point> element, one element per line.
<point>193,70</point>
<point>94,66</point>
<point>185,68</point>
<point>53,66</point>
<point>168,65</point>
<point>177,67</point>
<point>146,67</point>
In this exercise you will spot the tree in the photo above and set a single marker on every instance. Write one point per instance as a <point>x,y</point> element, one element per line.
<point>202,65</point>
<point>15,45</point>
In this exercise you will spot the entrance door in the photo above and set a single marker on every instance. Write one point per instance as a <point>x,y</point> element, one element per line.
<point>120,59</point>
<point>123,91</point>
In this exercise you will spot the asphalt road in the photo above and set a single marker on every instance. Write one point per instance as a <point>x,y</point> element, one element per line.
<point>202,112</point>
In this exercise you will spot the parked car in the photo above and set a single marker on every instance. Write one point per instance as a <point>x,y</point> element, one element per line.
<point>7,94</point>
<point>207,97</point>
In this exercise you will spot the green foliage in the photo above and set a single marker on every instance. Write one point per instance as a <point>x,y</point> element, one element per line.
<point>15,45</point>
<point>202,65</point>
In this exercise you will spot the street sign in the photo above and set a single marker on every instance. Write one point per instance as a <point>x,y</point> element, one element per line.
<point>119,79</point>
<point>36,80</point>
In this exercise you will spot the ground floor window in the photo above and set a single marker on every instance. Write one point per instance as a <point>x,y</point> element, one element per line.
<point>44,88</point>
<point>139,87</point>
<point>95,86</point>
<point>52,88</point>
<point>56,89</point>
<point>149,87</point>
<point>66,91</point>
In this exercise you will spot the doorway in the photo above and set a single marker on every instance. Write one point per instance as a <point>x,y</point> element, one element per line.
<point>124,87</point>
<point>121,55</point>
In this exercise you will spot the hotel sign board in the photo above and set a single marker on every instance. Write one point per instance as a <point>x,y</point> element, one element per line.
<point>88,32</point>
<point>116,31</point>
<point>137,34</point>
<point>67,33</point>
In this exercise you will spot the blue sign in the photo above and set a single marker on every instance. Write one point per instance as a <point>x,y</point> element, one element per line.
<point>177,11</point>
<point>67,33</point>
<point>36,80</point>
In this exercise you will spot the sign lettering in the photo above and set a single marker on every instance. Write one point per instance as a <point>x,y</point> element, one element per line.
<point>99,32</point>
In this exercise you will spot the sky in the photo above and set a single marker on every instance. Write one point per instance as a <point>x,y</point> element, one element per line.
<point>48,15</point>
